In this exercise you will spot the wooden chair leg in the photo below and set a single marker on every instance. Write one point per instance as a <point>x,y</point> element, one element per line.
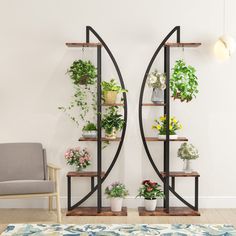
<point>50,203</point>
<point>58,208</point>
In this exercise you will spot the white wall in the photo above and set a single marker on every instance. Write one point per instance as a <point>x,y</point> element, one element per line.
<point>34,59</point>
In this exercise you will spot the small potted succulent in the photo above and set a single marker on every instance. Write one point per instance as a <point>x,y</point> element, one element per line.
<point>157,81</point>
<point>112,122</point>
<point>150,191</point>
<point>78,157</point>
<point>82,72</point>
<point>89,130</point>
<point>183,82</point>
<point>187,152</point>
<point>110,90</point>
<point>116,192</point>
<point>160,125</point>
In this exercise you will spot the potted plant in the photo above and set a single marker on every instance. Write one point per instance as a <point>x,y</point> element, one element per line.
<point>157,81</point>
<point>82,72</point>
<point>116,192</point>
<point>89,130</point>
<point>187,152</point>
<point>78,157</point>
<point>183,82</point>
<point>160,125</point>
<point>112,122</point>
<point>150,191</point>
<point>110,91</point>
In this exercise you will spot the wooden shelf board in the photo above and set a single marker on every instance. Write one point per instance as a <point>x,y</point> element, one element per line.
<point>79,45</point>
<point>92,211</point>
<point>174,211</point>
<point>113,104</point>
<point>153,104</point>
<point>155,139</point>
<point>84,174</point>
<point>181,174</point>
<point>188,45</point>
<point>95,139</point>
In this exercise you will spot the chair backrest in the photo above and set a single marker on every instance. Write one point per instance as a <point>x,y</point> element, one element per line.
<point>22,161</point>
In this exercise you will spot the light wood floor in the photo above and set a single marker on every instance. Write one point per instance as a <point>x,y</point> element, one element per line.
<point>208,216</point>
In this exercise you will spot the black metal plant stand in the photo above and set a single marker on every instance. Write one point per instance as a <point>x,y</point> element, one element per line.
<point>75,210</point>
<point>167,174</point>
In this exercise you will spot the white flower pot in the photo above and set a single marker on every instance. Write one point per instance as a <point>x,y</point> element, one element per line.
<point>150,204</point>
<point>187,166</point>
<point>116,203</point>
<point>175,136</point>
<point>89,134</point>
<point>157,96</point>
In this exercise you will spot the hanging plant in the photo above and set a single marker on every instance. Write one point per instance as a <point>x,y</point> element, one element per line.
<point>183,82</point>
<point>82,72</point>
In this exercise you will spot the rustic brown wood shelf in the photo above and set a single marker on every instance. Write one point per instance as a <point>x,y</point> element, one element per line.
<point>155,139</point>
<point>79,45</point>
<point>153,104</point>
<point>84,174</point>
<point>95,139</point>
<point>188,45</point>
<point>173,211</point>
<point>181,174</point>
<point>92,211</point>
<point>113,104</point>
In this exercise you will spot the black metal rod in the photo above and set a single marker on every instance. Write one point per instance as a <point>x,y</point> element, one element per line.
<point>68,193</point>
<point>173,182</point>
<point>167,114</point>
<point>196,192</point>
<point>92,183</point>
<point>178,34</point>
<point>99,128</point>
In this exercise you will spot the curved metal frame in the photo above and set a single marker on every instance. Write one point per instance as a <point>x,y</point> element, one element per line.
<point>102,179</point>
<point>165,180</point>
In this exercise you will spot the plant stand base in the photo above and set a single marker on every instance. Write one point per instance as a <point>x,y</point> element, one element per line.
<point>92,211</point>
<point>174,211</point>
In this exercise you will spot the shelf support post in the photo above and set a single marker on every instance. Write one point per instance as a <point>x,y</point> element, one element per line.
<point>196,192</point>
<point>99,131</point>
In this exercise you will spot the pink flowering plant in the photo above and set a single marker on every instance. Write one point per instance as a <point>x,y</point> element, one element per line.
<point>116,189</point>
<point>150,190</point>
<point>78,157</point>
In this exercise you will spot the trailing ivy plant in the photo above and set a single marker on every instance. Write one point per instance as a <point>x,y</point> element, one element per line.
<point>82,72</point>
<point>183,82</point>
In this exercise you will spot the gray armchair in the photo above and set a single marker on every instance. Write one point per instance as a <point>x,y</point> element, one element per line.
<point>24,172</point>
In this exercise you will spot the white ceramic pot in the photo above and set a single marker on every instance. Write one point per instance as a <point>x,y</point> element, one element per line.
<point>187,166</point>
<point>89,134</point>
<point>150,204</point>
<point>157,96</point>
<point>175,136</point>
<point>116,203</point>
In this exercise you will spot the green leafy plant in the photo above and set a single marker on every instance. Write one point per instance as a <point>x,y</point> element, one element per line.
<point>160,125</point>
<point>82,72</point>
<point>89,126</point>
<point>116,189</point>
<point>112,120</point>
<point>150,190</point>
<point>112,86</point>
<point>183,82</point>
<point>187,152</point>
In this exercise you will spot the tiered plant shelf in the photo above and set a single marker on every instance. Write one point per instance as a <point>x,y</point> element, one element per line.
<point>166,174</point>
<point>99,174</point>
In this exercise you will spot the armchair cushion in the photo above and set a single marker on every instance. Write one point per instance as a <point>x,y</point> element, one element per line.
<point>22,161</point>
<point>26,187</point>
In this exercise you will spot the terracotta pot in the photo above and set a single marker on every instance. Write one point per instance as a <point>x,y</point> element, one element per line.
<point>116,203</point>
<point>150,204</point>
<point>110,97</point>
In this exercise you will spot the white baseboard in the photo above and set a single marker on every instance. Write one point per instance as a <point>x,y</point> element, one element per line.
<point>130,202</point>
